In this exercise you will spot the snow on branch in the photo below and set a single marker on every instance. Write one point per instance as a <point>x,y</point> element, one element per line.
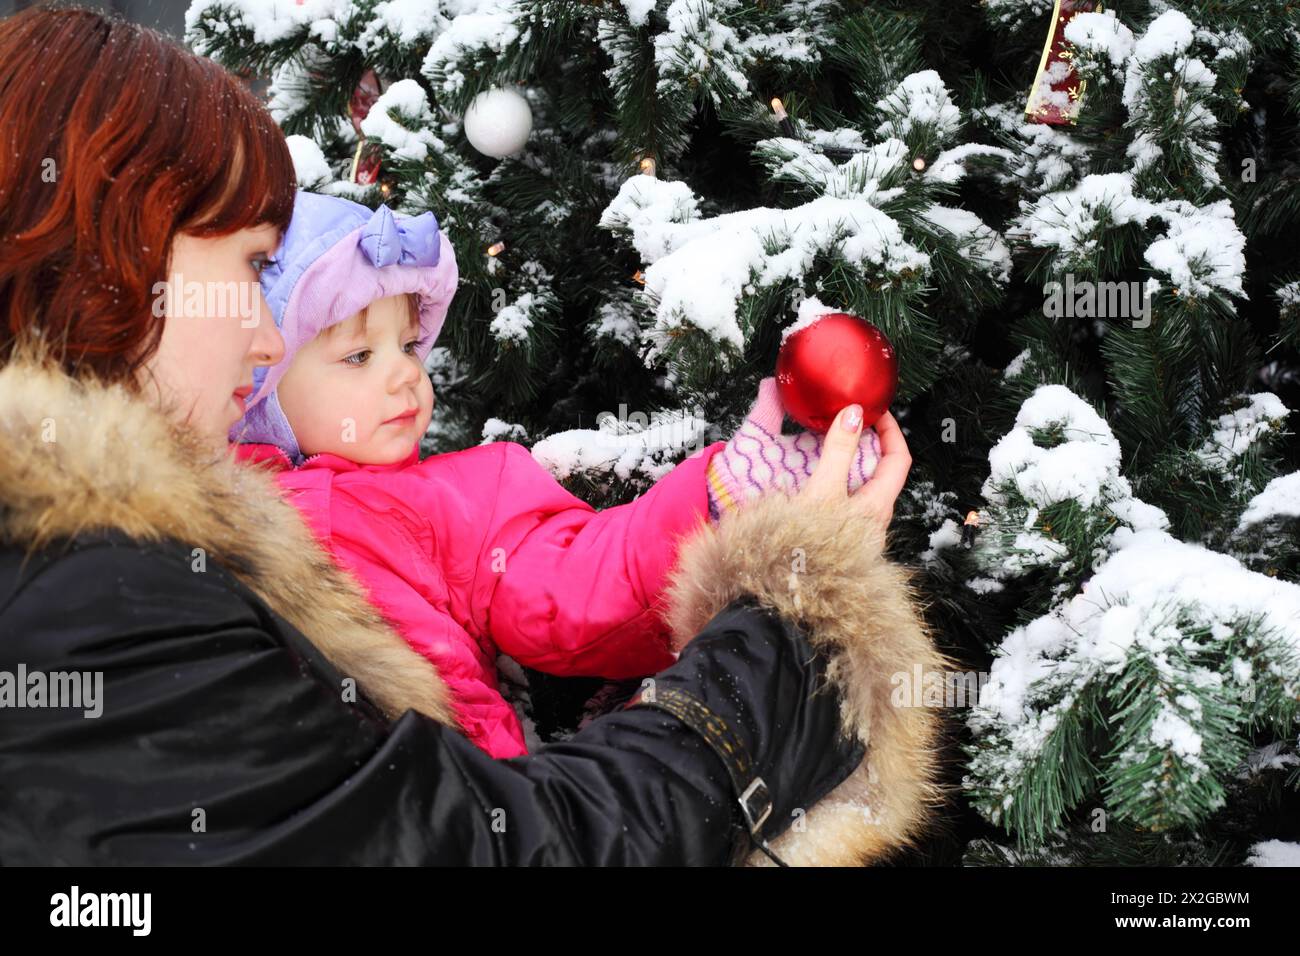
<point>700,268</point>
<point>1235,432</point>
<point>919,101</point>
<point>265,22</point>
<point>1178,639</point>
<point>1201,251</point>
<point>478,31</point>
<point>412,139</point>
<point>624,446</point>
<point>1279,500</point>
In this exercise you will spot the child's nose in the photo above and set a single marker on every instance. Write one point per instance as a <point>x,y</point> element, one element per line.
<point>407,372</point>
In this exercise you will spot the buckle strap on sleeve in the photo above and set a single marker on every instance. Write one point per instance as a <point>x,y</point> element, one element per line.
<point>752,792</point>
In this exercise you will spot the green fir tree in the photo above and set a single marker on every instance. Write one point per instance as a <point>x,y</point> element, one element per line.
<point>1098,325</point>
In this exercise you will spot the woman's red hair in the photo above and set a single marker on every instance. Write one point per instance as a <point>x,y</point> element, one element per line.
<point>113,139</point>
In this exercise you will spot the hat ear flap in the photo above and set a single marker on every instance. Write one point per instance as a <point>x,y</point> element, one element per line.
<point>266,423</point>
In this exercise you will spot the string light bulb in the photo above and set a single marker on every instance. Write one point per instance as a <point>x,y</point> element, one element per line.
<point>496,248</point>
<point>783,118</point>
<point>919,163</point>
<point>647,165</point>
<point>638,277</point>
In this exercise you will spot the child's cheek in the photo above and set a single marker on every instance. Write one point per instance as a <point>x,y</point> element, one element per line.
<point>427,403</point>
<point>343,419</point>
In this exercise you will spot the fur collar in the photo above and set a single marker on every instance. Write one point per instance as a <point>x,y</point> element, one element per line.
<point>80,456</point>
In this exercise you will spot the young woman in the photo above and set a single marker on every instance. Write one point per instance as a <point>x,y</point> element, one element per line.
<point>248,706</point>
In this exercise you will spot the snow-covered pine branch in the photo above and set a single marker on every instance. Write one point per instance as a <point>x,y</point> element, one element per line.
<point>1168,653</point>
<point>698,269</point>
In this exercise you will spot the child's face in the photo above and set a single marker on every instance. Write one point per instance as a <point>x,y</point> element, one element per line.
<point>351,391</point>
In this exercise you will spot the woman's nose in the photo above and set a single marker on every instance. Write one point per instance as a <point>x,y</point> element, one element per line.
<point>267,346</point>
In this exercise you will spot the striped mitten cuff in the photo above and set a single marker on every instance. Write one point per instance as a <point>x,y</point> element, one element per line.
<point>758,458</point>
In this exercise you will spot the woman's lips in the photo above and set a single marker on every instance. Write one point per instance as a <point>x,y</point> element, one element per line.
<point>240,396</point>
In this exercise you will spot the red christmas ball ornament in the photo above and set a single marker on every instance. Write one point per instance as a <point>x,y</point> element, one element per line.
<point>837,360</point>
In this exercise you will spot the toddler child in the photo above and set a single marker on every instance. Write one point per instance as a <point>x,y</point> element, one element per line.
<point>476,552</point>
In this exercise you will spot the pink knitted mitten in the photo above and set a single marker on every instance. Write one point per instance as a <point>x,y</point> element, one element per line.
<point>759,458</point>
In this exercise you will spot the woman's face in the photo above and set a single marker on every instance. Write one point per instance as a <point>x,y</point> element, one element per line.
<point>217,329</point>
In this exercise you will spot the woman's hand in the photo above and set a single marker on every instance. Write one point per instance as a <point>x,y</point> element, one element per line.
<point>874,500</point>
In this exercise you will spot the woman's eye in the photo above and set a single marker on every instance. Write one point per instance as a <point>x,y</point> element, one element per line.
<point>261,262</point>
<point>359,356</point>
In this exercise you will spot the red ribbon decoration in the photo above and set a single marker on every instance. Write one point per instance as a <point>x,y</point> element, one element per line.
<point>1040,108</point>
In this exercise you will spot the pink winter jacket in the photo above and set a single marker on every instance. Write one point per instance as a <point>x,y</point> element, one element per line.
<point>479,551</point>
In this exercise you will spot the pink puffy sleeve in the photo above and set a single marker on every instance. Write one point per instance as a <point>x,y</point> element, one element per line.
<point>570,590</point>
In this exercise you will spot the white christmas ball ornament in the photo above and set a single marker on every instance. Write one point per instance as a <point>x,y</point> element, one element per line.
<point>498,122</point>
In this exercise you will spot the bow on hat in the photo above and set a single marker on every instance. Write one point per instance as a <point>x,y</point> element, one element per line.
<point>410,241</point>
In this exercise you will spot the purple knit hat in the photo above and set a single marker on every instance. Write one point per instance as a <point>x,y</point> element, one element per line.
<point>337,257</point>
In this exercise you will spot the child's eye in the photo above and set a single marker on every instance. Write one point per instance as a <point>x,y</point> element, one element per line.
<point>360,356</point>
<point>414,347</point>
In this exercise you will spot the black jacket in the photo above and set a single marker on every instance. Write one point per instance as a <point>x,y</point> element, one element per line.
<point>212,703</point>
<point>228,642</point>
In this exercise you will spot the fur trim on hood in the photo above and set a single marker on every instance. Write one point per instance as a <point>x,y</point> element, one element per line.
<point>81,456</point>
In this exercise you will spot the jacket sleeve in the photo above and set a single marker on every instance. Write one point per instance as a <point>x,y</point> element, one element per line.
<point>223,738</point>
<point>570,590</point>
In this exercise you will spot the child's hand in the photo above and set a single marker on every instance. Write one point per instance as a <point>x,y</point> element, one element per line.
<point>758,458</point>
